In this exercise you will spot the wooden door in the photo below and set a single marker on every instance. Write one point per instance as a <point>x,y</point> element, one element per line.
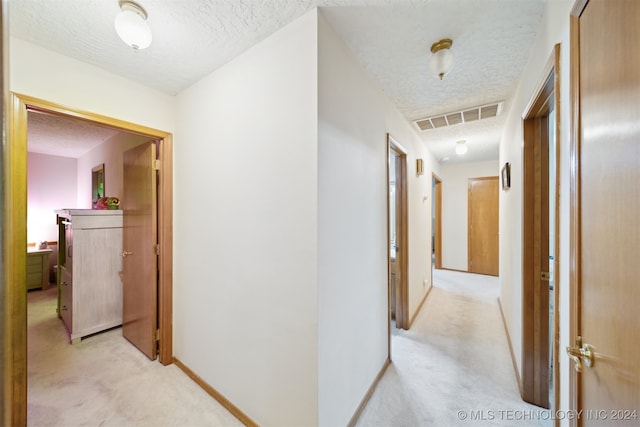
<point>139,244</point>
<point>483,225</point>
<point>605,205</point>
<point>437,222</point>
<point>536,213</point>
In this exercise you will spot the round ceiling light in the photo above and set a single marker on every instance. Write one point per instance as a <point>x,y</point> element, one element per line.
<point>461,147</point>
<point>442,60</point>
<point>131,25</point>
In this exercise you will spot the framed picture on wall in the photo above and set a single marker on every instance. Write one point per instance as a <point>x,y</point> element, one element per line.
<point>506,176</point>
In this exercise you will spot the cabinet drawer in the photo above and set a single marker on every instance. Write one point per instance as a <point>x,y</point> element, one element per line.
<point>34,262</point>
<point>34,279</point>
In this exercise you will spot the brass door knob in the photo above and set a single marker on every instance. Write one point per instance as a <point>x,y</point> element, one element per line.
<point>581,354</point>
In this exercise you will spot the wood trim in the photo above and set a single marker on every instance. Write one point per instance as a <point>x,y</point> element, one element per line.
<point>513,354</point>
<point>574,196</point>
<point>389,299</point>
<point>402,309</point>
<point>404,245</point>
<point>528,264</point>
<point>14,257</point>
<point>14,240</point>
<point>6,408</point>
<point>367,396</point>
<point>469,187</point>
<point>534,245</point>
<point>424,298</point>
<point>556,244</point>
<point>165,260</point>
<point>463,271</point>
<point>36,104</point>
<point>237,412</point>
<point>458,271</point>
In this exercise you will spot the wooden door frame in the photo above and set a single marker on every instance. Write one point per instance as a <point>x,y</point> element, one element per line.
<point>575,220</point>
<point>534,380</point>
<point>438,222</point>
<point>469,188</point>
<point>14,255</point>
<point>7,415</point>
<point>402,302</point>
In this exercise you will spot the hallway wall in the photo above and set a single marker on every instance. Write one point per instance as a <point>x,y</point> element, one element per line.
<point>246,233</point>
<point>455,198</point>
<point>354,117</point>
<point>554,29</point>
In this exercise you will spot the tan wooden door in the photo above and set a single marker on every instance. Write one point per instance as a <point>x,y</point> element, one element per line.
<point>483,225</point>
<point>437,223</point>
<point>139,264</point>
<point>605,307</point>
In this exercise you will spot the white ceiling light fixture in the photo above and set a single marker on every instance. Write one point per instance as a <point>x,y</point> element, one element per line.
<point>442,60</point>
<point>461,147</point>
<point>131,25</point>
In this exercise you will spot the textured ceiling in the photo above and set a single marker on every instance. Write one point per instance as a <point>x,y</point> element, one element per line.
<point>390,38</point>
<point>65,137</point>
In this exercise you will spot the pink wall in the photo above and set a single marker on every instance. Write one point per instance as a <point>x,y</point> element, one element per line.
<point>52,184</point>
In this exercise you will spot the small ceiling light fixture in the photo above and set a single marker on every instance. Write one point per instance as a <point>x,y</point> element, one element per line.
<point>461,147</point>
<point>441,62</point>
<point>131,25</point>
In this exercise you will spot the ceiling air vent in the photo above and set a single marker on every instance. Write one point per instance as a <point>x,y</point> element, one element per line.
<point>457,117</point>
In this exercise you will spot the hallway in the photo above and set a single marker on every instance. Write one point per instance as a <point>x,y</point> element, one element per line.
<point>453,367</point>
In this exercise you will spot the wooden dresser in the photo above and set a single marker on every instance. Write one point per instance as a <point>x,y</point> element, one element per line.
<point>89,267</point>
<point>38,268</point>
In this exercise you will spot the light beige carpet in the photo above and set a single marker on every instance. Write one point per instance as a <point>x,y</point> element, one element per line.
<point>453,367</point>
<point>105,381</point>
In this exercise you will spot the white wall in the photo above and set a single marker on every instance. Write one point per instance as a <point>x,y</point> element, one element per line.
<point>51,185</point>
<point>47,75</point>
<point>554,29</point>
<point>354,118</point>
<point>109,153</point>
<point>246,209</point>
<point>455,197</point>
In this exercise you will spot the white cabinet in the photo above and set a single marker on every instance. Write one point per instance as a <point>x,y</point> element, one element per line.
<point>89,267</point>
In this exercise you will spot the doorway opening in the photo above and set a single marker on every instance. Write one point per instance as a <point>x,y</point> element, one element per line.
<point>397,236</point>
<point>16,238</point>
<point>436,223</point>
<point>540,331</point>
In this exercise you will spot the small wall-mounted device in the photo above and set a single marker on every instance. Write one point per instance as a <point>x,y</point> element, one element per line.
<point>419,167</point>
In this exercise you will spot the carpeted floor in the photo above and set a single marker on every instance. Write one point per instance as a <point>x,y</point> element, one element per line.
<point>453,368</point>
<point>105,381</point>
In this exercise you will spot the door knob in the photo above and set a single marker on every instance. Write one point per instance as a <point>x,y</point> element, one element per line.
<point>581,354</point>
<point>125,253</point>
